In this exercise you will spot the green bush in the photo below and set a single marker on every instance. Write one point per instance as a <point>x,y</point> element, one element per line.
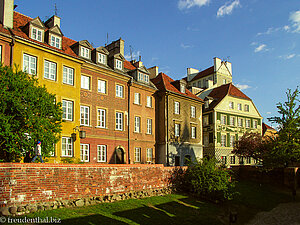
<point>208,180</point>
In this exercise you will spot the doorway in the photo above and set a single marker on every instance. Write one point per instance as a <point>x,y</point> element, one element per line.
<point>120,155</point>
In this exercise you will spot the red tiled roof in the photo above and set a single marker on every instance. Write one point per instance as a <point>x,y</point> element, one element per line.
<point>204,73</point>
<point>21,20</point>
<point>128,65</point>
<point>163,82</point>
<point>266,127</point>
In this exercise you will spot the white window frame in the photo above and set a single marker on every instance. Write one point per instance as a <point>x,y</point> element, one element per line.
<point>84,115</point>
<point>55,41</point>
<point>119,64</point>
<point>240,122</point>
<point>119,121</point>
<point>149,155</point>
<point>223,140</point>
<point>50,70</point>
<point>137,124</point>
<point>68,75</point>
<point>140,76</point>
<point>239,106</point>
<point>232,140</point>
<point>231,105</point>
<point>84,152</point>
<point>102,86</point>
<point>68,110</point>
<point>193,132</point>
<point>137,154</point>
<point>149,126</point>
<point>193,111</point>
<point>247,108</point>
<point>119,91</point>
<point>101,153</point>
<point>30,64</point>
<point>223,119</point>
<point>146,78</point>
<point>102,58</point>
<point>232,121</point>
<point>85,82</point>
<point>177,130</point>
<point>85,52</point>
<point>182,88</point>
<point>255,124</point>
<point>101,118</point>
<point>177,108</point>
<point>137,98</point>
<point>38,36</point>
<point>248,123</point>
<point>232,159</point>
<point>67,147</point>
<point>149,101</point>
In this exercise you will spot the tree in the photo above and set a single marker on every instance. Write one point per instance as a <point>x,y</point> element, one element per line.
<point>28,114</point>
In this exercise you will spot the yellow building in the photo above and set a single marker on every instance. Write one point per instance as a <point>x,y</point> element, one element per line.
<point>41,50</point>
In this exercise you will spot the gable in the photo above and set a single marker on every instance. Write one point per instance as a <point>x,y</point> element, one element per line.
<point>102,50</point>
<point>86,44</point>
<point>223,69</point>
<point>56,30</point>
<point>38,23</point>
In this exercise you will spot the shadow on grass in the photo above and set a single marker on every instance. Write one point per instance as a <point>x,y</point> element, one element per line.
<point>93,219</point>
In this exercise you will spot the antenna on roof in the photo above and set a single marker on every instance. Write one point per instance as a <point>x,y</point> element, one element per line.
<point>130,47</point>
<point>107,38</point>
<point>55,9</point>
<point>228,58</point>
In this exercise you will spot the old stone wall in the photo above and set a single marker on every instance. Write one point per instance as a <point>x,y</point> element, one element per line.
<point>29,187</point>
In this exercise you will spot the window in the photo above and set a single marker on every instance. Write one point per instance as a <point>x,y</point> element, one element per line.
<point>240,122</point>
<point>101,58</point>
<point>146,78</point>
<point>205,120</point>
<point>232,140</point>
<point>119,121</point>
<point>241,160</point>
<point>84,152</point>
<point>49,70</point>
<point>137,154</point>
<point>85,82</point>
<point>177,130</point>
<point>68,75</point>
<point>231,121</point>
<point>193,132</point>
<point>246,108</point>
<point>223,119</point>
<point>84,115</point>
<point>119,64</point>
<point>119,91</point>
<point>224,160</point>
<point>140,77</point>
<point>248,160</point>
<point>29,64</point>
<point>206,140</point>
<point>102,86</point>
<point>247,123</point>
<point>255,124</point>
<point>193,111</point>
<point>101,118</point>
<point>215,78</point>
<point>67,107</point>
<point>199,84</point>
<point>239,106</point>
<point>149,101</point>
<point>101,153</point>
<point>231,105</point>
<point>182,88</point>
<point>224,81</point>
<point>85,52</point>
<point>66,147</point>
<point>194,84</point>
<point>137,98</point>
<point>232,159</point>
<point>176,108</point>
<point>55,41</point>
<point>149,155</point>
<point>206,104</point>
<point>36,34</point>
<point>149,126</point>
<point>137,124</point>
<point>223,140</point>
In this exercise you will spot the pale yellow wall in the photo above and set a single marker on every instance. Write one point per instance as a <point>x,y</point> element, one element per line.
<point>62,91</point>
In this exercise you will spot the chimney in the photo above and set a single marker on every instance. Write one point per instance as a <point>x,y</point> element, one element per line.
<point>217,63</point>
<point>191,73</point>
<point>116,47</point>
<point>138,64</point>
<point>153,72</point>
<point>7,13</point>
<point>54,20</point>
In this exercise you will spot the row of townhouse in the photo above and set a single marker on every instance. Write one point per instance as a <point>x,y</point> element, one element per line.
<point>114,111</point>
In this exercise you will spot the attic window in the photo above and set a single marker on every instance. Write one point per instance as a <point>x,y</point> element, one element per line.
<point>36,34</point>
<point>101,58</point>
<point>206,104</point>
<point>182,88</point>
<point>85,52</point>
<point>55,41</point>
<point>119,64</point>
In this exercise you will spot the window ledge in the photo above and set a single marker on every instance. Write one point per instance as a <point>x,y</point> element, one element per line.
<point>106,128</point>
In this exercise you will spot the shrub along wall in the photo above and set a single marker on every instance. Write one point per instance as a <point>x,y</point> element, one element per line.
<point>29,187</point>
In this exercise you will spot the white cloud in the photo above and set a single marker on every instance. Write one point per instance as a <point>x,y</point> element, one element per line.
<point>286,28</point>
<point>134,55</point>
<point>228,8</point>
<point>184,46</point>
<point>260,48</point>
<point>269,113</point>
<point>295,18</point>
<point>242,86</point>
<point>270,30</point>
<point>186,4</point>
<point>286,57</point>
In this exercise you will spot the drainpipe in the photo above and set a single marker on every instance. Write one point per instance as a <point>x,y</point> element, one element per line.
<point>167,141</point>
<point>129,84</point>
<point>12,43</point>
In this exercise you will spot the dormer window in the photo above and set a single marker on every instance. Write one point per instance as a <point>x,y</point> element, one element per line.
<point>55,41</point>
<point>119,64</point>
<point>182,88</point>
<point>146,78</point>
<point>85,52</point>
<point>36,34</point>
<point>101,58</point>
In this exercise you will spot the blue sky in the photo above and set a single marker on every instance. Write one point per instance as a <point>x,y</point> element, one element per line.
<point>259,37</point>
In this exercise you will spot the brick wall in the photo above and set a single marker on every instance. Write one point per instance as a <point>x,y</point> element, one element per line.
<point>29,184</point>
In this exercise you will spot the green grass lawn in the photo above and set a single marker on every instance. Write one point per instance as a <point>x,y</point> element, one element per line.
<point>174,208</point>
